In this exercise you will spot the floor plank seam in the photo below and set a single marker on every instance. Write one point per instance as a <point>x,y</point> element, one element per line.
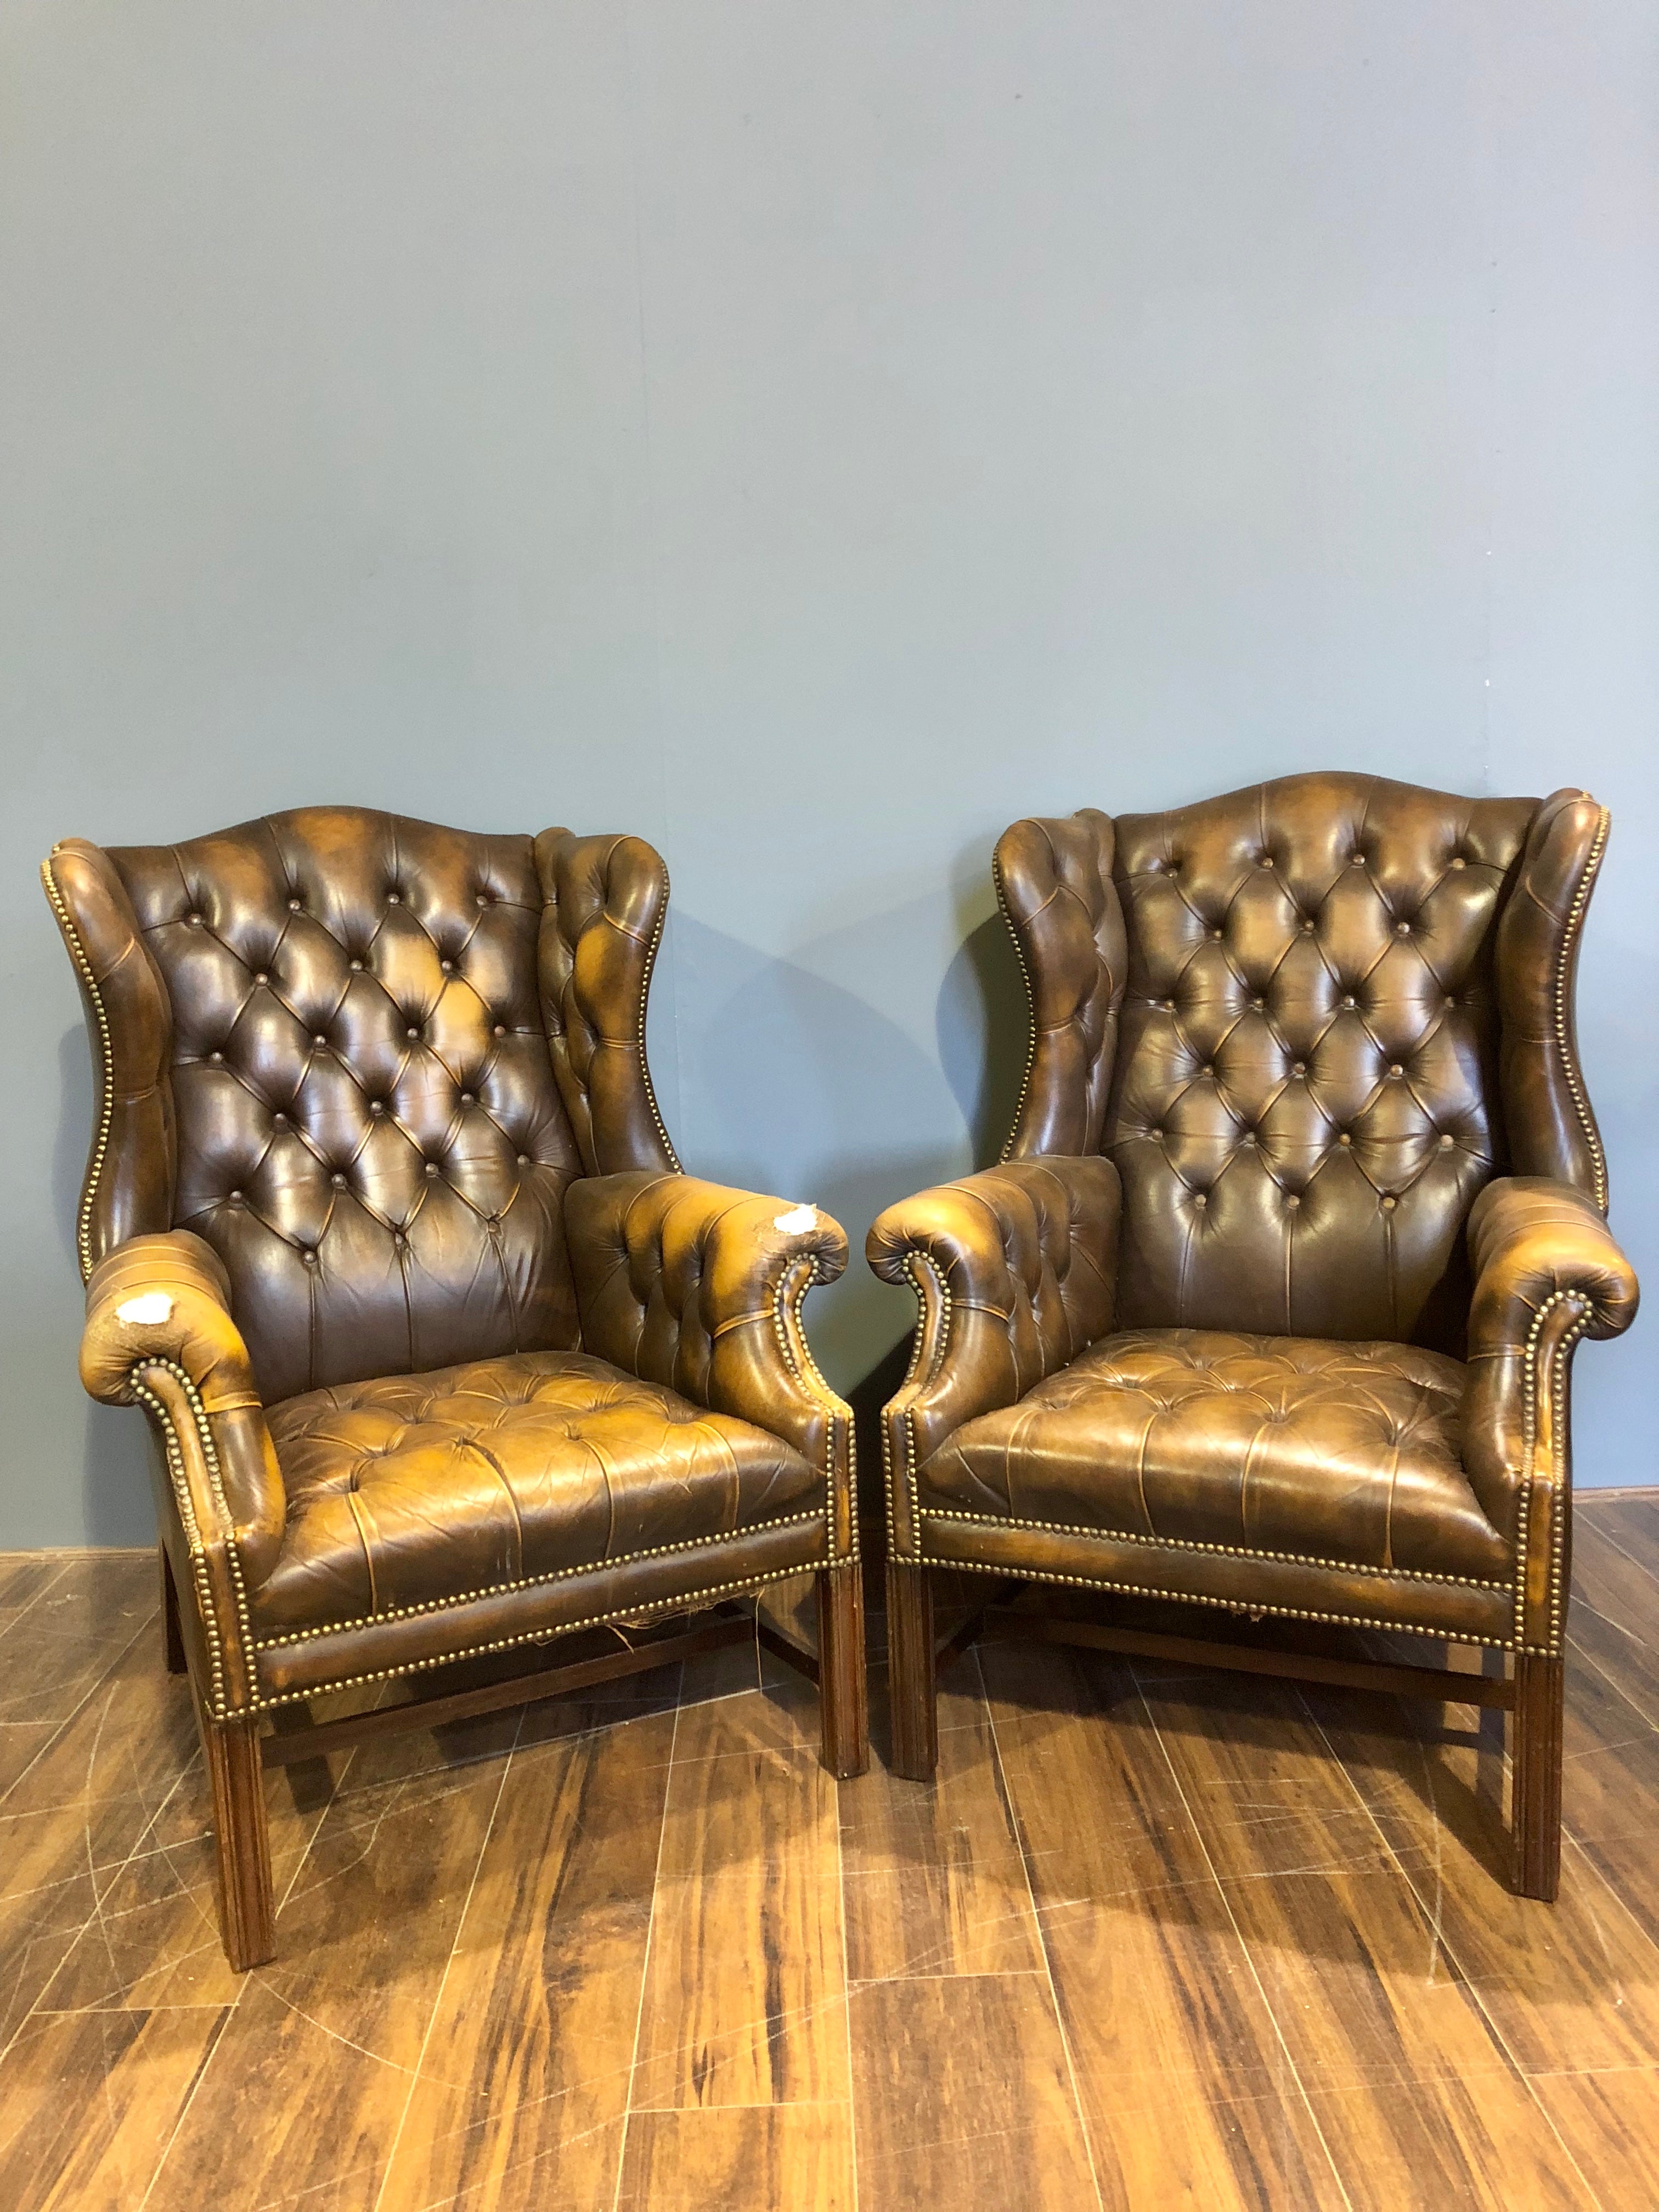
<point>1015,1825</point>
<point>645,1962</point>
<point>1247,1954</point>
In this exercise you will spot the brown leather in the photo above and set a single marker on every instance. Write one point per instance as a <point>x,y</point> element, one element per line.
<point>1307,1024</point>
<point>1014,1268</point>
<point>374,1110</point>
<point>1344,1453</point>
<point>545,1463</point>
<point>691,1285</point>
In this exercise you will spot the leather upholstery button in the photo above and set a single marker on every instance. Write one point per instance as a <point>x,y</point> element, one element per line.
<point>279,1121</point>
<point>236,1198</point>
<point>1344,1138</point>
<point>412,1032</point>
<point>398,1238</point>
<point>469,1098</point>
<point>1402,929</point>
<point>524,1159</point>
<point>296,906</point>
<point>1292,1201</point>
<point>1307,925</point>
<point>217,1058</point>
<point>194,920</point>
<point>1208,1068</point>
<point>1215,933</point>
<point>1258,1004</point>
<point>1201,1198</point>
<point>500,1029</point>
<point>1350,1002</point>
<point>1156,1135</point>
<point>309,1257</point>
<point>394,898</point>
<point>1264,862</point>
<point>338,1182</point>
<point>377,1105</point>
<point>1389,1204</point>
<point>481,899</point>
<point>1301,1069</point>
<point>1447,1141</point>
<point>1396,1069</point>
<point>356,967</point>
<point>319,1039</point>
<point>447,967</point>
<point>1458,861</point>
<point>262,977</point>
<point>1355,859</point>
<point>431,1170</point>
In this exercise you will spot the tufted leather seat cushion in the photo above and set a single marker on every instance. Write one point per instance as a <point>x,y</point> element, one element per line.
<point>1336,1452</point>
<point>422,1490</point>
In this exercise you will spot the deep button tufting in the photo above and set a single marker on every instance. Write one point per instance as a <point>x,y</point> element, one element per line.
<point>279,1121</point>
<point>1291,1201</point>
<point>1326,1451</point>
<point>1395,1069</point>
<point>1216,935</point>
<point>377,1105</point>
<point>1344,1138</point>
<point>1264,861</point>
<point>500,1029</point>
<point>319,1039</point>
<point>1457,861</point>
<point>1308,925</point>
<point>570,1461</point>
<point>296,906</point>
<point>431,1170</point>
<point>1201,1198</point>
<point>195,921</point>
<point>1208,1068</point>
<point>447,967</point>
<point>524,1159</point>
<point>308,1256</point>
<point>394,898</point>
<point>1402,929</point>
<point>338,1180</point>
<point>1390,1203</point>
<point>356,967</point>
<point>482,898</point>
<point>1300,1068</point>
<point>1260,1005</point>
<point>1447,1141</point>
<point>236,1198</point>
<point>411,1031</point>
<point>217,1059</point>
<point>1350,1001</point>
<point>1156,1135</point>
<point>1355,859</point>
<point>262,977</point>
<point>469,1098</point>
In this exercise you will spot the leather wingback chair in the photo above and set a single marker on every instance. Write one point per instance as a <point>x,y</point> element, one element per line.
<point>1272,1303</point>
<point>444,1355</point>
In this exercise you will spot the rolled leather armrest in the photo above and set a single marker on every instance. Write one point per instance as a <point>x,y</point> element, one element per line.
<point>1548,1271</point>
<point>1015,1272</point>
<point>159,1333</point>
<point>699,1287</point>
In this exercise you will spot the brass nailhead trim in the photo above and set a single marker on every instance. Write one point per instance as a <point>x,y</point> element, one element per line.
<point>789,1298</point>
<point>530,1581</point>
<point>1569,1065</point>
<point>1529,1397</point>
<point>1030,1003</point>
<point>181,1497</point>
<point>107,1090</point>
<point>687,1603</point>
<point>1222,1551</point>
<point>638,1039</point>
<point>1224,1604</point>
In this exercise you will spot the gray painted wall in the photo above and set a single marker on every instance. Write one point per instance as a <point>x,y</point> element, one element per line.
<point>810,435</point>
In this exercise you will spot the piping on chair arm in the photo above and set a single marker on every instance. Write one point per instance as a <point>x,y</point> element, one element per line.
<point>1548,1271</point>
<point>159,1333</point>
<point>699,1287</point>
<point>1015,1272</point>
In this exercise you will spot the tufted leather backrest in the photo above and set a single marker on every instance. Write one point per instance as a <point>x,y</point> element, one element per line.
<point>325,1040</point>
<point>1280,1019</point>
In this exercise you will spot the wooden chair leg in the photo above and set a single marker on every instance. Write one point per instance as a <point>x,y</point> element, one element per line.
<point>247,1913</point>
<point>173,1637</point>
<point>843,1692</point>
<point>911,1672</point>
<point>1535,1819</point>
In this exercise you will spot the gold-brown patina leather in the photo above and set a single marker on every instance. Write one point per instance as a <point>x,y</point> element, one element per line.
<point>382,1225</point>
<point>1271,1303</point>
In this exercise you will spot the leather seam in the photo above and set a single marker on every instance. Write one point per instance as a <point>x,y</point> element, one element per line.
<point>687,1603</point>
<point>1569,1065</point>
<point>1224,1604</point>
<point>531,1581</point>
<point>1221,1550</point>
<point>106,1100</point>
<point>1529,1460</point>
<point>1032,1008</point>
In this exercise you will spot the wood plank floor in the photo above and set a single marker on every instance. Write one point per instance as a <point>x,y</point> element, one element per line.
<point>1158,1939</point>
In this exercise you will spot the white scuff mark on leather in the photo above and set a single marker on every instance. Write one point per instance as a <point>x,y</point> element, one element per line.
<point>145,1311</point>
<point>797,1218</point>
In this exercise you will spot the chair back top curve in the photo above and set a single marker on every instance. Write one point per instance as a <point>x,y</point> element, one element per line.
<point>364,1057</point>
<point>1307,1021</point>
